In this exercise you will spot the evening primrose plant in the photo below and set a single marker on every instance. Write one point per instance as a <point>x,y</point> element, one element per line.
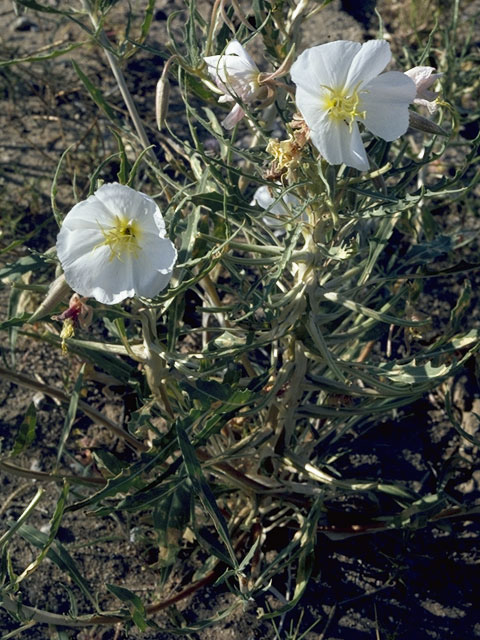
<point>253,278</point>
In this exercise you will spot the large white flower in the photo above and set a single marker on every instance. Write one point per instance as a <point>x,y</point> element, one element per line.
<point>113,246</point>
<point>236,74</point>
<point>338,86</point>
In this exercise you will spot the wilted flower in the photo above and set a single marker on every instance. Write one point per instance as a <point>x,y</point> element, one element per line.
<point>77,313</point>
<point>237,75</point>
<point>287,155</point>
<point>423,78</point>
<point>338,86</point>
<point>113,246</point>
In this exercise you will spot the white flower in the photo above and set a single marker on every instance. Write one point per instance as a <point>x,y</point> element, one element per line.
<point>281,207</point>
<point>423,78</point>
<point>338,85</point>
<point>236,74</point>
<point>113,246</point>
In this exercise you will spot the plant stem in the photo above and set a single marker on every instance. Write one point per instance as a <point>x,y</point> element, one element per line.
<point>42,476</point>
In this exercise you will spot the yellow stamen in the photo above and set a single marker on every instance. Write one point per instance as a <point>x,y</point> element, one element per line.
<point>122,238</point>
<point>68,331</point>
<point>343,106</point>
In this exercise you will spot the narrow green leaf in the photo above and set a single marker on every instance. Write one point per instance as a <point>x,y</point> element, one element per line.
<point>54,189</point>
<point>95,94</point>
<point>170,517</point>
<point>124,163</point>
<point>191,37</point>
<point>16,632</point>
<point>378,244</point>
<point>14,300</point>
<point>122,483</point>
<point>46,56</point>
<point>60,556</point>
<point>54,525</point>
<point>32,262</point>
<point>210,391</point>
<point>73,611</point>
<point>98,171</point>
<point>43,8</point>
<point>125,595</point>
<point>147,20</point>
<point>109,461</point>
<point>136,606</point>
<point>218,202</point>
<point>463,303</point>
<point>202,489</point>
<point>19,523</point>
<point>15,322</point>
<point>305,558</point>
<point>371,313</point>
<point>136,165</point>
<point>71,414</point>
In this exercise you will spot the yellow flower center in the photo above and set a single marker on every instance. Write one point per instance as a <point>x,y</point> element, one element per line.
<point>343,106</point>
<point>122,238</point>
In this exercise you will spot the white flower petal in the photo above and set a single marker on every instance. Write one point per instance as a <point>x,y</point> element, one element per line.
<point>153,268</point>
<point>385,102</point>
<point>235,115</point>
<point>89,214</point>
<point>212,63</point>
<point>74,242</point>
<point>233,68</point>
<point>339,144</point>
<point>309,104</point>
<point>235,48</point>
<point>122,200</point>
<point>234,73</point>
<point>371,60</point>
<point>424,78</point>
<point>326,65</point>
<point>226,98</point>
<point>265,198</point>
<point>95,274</point>
<point>338,86</point>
